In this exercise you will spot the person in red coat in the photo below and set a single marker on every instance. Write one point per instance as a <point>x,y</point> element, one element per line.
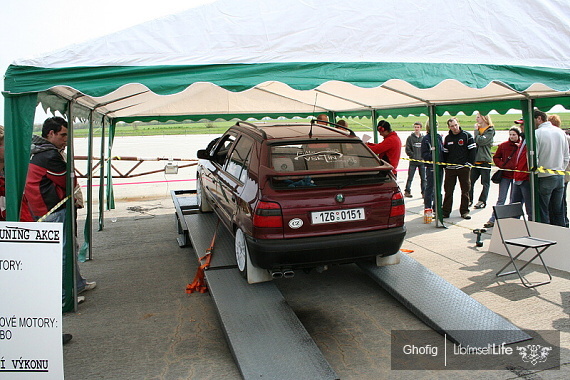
<point>506,158</point>
<point>521,181</point>
<point>390,148</point>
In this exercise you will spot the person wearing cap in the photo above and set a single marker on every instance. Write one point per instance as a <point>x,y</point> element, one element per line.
<point>552,153</point>
<point>390,148</point>
<point>483,135</point>
<point>520,122</point>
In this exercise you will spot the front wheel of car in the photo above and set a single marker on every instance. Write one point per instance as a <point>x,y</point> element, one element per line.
<point>203,204</point>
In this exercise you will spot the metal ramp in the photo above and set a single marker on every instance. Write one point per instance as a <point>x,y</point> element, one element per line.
<point>185,203</point>
<point>442,306</point>
<point>268,340</point>
<point>265,336</point>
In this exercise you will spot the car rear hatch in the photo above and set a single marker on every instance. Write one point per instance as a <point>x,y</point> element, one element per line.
<point>331,188</point>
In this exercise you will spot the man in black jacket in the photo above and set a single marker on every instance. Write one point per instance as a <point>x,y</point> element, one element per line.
<point>459,153</point>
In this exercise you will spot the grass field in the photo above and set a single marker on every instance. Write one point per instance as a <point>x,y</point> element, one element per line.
<point>501,122</point>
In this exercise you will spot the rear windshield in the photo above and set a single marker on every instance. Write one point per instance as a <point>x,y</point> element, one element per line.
<point>317,156</point>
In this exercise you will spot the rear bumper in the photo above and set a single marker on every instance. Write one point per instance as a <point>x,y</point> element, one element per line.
<point>332,249</point>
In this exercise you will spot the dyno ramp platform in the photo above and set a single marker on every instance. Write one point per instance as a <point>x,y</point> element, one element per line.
<point>442,306</point>
<point>265,336</point>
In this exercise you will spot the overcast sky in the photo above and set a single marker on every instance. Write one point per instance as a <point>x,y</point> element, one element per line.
<point>29,28</point>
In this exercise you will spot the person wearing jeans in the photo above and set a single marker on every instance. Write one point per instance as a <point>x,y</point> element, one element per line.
<point>414,152</point>
<point>505,158</point>
<point>552,153</point>
<point>428,153</point>
<point>483,135</point>
<point>520,191</point>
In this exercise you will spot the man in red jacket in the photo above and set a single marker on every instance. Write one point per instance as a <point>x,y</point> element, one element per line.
<point>390,148</point>
<point>46,183</point>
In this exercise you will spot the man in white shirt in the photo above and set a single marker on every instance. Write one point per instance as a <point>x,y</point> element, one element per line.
<point>552,153</point>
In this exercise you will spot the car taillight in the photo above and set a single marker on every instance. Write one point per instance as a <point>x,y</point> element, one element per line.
<point>267,214</point>
<point>397,205</point>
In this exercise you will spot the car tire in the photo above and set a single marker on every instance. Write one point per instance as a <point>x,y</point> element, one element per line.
<point>203,204</point>
<point>246,269</point>
<point>242,253</point>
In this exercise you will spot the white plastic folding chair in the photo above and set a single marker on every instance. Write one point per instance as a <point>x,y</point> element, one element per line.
<point>526,242</point>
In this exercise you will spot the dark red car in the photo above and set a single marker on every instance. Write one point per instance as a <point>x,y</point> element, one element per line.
<point>298,196</point>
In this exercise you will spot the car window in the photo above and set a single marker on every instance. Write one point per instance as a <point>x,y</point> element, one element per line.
<point>238,162</point>
<point>221,153</point>
<point>321,156</point>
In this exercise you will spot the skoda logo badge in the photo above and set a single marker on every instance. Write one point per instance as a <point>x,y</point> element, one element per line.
<point>339,198</point>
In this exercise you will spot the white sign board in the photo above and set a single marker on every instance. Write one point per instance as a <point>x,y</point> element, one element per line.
<point>30,300</point>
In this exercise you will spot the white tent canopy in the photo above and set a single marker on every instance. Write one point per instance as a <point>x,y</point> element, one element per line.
<point>527,32</point>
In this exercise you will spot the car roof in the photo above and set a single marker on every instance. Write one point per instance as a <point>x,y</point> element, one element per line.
<point>296,131</point>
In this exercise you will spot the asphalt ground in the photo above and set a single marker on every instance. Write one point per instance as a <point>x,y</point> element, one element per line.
<point>140,324</point>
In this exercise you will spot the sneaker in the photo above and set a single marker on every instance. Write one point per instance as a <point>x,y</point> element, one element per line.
<point>407,194</point>
<point>466,216</point>
<point>480,205</point>
<point>80,299</point>
<point>489,225</point>
<point>66,338</point>
<point>88,286</point>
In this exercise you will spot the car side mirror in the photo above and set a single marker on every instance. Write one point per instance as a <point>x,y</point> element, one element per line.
<point>203,154</point>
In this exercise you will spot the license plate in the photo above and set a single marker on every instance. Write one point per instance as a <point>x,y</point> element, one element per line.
<point>334,216</point>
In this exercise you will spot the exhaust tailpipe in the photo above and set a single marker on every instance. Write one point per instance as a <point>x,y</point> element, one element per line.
<point>276,274</point>
<point>288,274</point>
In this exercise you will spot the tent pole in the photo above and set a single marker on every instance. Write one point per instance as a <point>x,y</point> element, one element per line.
<point>102,178</point>
<point>88,221</point>
<point>110,194</point>
<point>529,127</point>
<point>70,270</point>
<point>436,173</point>
<point>374,117</point>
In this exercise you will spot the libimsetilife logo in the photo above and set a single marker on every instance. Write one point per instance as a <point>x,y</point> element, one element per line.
<point>534,353</point>
<point>475,350</point>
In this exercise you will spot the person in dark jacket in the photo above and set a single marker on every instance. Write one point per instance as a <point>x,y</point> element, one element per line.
<point>428,153</point>
<point>414,152</point>
<point>459,154</point>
